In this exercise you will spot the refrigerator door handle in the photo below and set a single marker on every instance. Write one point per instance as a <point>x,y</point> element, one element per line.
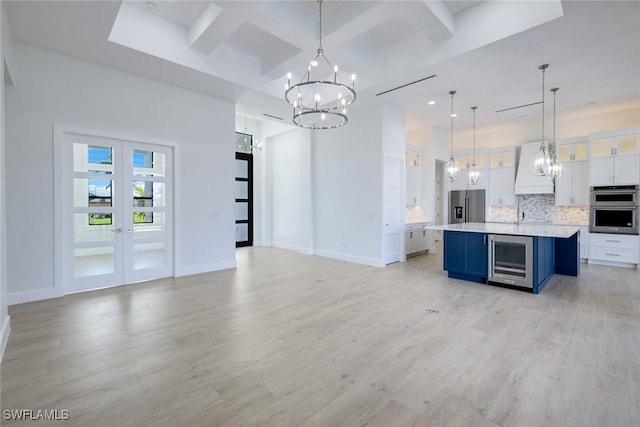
<point>466,209</point>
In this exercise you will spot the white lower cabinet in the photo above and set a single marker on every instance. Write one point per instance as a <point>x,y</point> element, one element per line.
<point>418,239</point>
<point>613,249</point>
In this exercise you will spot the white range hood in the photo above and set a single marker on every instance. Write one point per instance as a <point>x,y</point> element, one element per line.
<point>526,181</point>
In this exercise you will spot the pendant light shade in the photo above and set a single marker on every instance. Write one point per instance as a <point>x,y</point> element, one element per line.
<point>452,168</point>
<point>555,166</point>
<point>543,159</point>
<point>474,173</point>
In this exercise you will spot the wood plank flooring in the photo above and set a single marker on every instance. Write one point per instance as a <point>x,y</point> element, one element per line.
<point>294,340</point>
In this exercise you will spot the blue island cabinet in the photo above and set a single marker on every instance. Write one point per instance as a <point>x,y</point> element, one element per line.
<point>465,255</point>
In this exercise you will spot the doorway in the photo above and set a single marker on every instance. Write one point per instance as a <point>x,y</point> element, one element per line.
<point>393,215</point>
<point>117,212</point>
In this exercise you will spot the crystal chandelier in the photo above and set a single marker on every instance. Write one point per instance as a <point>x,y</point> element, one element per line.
<point>321,98</point>
<point>474,173</point>
<point>452,169</point>
<point>554,171</point>
<point>543,159</point>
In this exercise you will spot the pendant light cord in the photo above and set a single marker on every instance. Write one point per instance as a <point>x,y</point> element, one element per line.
<point>554,90</point>
<point>543,68</point>
<point>554,114</point>
<point>320,26</point>
<point>453,92</point>
<point>473,160</point>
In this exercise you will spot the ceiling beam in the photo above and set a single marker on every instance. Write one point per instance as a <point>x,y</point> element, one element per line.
<point>213,27</point>
<point>439,10</point>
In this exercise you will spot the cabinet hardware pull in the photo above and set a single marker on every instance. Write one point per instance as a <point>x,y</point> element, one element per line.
<point>613,241</point>
<point>613,254</point>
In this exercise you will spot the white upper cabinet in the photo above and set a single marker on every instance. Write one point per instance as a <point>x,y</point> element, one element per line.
<point>615,158</point>
<point>502,177</point>
<point>413,179</point>
<point>572,189</point>
<point>463,161</point>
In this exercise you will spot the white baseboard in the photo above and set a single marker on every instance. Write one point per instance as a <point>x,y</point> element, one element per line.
<point>612,264</point>
<point>189,270</point>
<point>4,338</point>
<point>373,262</point>
<point>33,295</point>
<point>306,251</point>
<point>288,246</point>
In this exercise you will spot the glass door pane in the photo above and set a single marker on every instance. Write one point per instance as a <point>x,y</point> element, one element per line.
<point>94,222</point>
<point>148,213</point>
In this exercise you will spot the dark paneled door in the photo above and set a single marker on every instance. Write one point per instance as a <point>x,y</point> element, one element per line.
<point>244,199</point>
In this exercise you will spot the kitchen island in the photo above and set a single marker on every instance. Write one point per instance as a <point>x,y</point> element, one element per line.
<point>537,252</point>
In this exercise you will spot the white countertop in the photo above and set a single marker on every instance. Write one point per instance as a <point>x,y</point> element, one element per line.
<point>542,230</point>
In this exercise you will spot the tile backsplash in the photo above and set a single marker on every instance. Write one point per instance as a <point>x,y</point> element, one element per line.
<point>540,208</point>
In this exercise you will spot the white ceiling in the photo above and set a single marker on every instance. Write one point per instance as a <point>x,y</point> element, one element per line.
<point>241,50</point>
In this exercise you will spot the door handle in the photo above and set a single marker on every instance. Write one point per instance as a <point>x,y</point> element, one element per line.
<point>116,230</point>
<point>129,230</point>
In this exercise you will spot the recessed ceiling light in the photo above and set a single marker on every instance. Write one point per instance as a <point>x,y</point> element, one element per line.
<point>431,102</point>
<point>454,115</point>
<point>151,5</point>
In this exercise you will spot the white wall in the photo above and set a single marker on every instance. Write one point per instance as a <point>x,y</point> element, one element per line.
<point>53,89</point>
<point>348,189</point>
<point>4,316</point>
<point>286,167</point>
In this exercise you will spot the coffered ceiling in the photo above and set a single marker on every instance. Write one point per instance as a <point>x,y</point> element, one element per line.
<point>489,51</point>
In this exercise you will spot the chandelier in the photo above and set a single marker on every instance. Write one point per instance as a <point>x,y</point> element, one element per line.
<point>452,168</point>
<point>554,171</point>
<point>542,160</point>
<point>474,173</point>
<point>321,98</point>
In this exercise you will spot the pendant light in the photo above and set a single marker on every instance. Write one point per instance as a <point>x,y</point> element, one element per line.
<point>542,159</point>
<point>555,166</point>
<point>452,169</point>
<point>474,173</point>
<point>321,98</point>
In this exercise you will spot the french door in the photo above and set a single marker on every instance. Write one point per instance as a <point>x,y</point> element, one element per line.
<point>117,212</point>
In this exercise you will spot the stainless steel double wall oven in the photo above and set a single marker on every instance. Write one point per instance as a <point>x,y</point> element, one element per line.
<point>614,210</point>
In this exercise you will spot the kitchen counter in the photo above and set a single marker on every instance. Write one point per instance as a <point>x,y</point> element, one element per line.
<point>416,221</point>
<point>539,230</point>
<point>555,250</point>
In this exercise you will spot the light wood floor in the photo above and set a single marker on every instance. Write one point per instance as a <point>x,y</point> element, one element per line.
<point>295,340</point>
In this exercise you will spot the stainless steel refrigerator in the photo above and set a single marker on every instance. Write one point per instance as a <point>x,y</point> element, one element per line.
<point>466,206</point>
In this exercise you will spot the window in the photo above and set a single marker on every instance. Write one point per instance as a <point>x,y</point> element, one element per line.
<point>244,143</point>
